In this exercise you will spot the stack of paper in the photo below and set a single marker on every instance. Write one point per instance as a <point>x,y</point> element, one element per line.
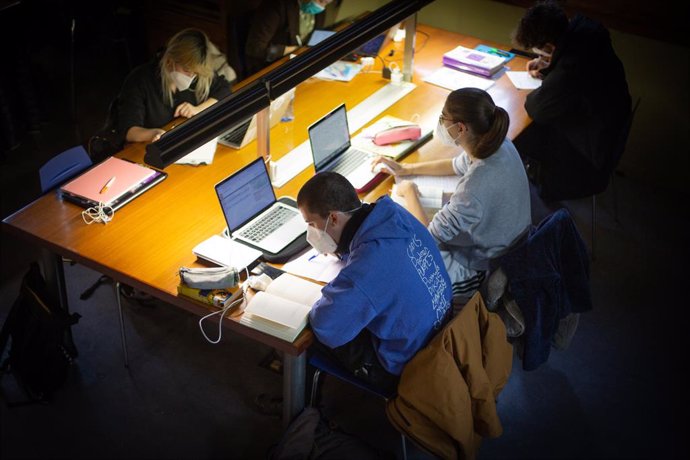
<point>448,78</point>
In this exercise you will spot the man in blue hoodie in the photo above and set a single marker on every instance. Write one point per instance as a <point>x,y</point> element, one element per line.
<point>392,295</point>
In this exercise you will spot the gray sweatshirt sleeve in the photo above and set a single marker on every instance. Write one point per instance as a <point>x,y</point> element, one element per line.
<point>456,222</point>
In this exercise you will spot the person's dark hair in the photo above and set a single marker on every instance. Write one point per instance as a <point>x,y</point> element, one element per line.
<point>543,23</point>
<point>487,122</point>
<point>327,191</point>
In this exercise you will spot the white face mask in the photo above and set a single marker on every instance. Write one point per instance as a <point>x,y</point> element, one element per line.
<point>320,240</point>
<point>442,134</point>
<point>182,81</point>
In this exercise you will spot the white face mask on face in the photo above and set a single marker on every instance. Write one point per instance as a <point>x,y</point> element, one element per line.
<point>442,134</point>
<point>182,81</point>
<point>320,240</point>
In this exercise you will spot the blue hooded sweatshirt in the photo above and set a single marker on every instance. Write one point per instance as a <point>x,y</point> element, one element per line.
<point>393,283</point>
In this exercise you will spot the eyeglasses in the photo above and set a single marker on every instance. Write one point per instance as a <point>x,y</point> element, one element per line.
<point>442,118</point>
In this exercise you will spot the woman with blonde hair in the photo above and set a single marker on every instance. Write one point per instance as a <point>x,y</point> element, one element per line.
<point>190,75</point>
<point>490,208</point>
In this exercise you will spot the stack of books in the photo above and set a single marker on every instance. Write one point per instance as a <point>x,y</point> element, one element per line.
<point>473,61</point>
<point>215,297</point>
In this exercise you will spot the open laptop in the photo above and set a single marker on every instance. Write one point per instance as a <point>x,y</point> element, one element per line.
<point>332,151</point>
<point>245,132</point>
<point>253,214</point>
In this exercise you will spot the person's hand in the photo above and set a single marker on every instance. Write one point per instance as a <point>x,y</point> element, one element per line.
<point>394,167</point>
<point>406,189</point>
<point>156,134</point>
<point>186,110</point>
<point>536,65</point>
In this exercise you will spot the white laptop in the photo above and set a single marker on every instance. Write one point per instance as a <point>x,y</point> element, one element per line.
<point>245,132</point>
<point>253,214</point>
<point>331,150</point>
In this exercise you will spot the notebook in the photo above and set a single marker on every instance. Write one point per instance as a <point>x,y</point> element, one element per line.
<point>245,132</point>
<point>113,182</point>
<point>252,213</point>
<point>331,150</point>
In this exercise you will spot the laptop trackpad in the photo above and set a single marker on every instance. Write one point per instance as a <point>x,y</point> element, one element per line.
<point>276,241</point>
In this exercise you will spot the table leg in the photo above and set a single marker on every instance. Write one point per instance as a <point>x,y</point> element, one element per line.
<point>294,371</point>
<point>54,274</point>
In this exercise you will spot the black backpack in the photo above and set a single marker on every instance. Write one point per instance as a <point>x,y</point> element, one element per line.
<point>36,329</point>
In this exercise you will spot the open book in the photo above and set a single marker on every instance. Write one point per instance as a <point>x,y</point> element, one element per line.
<point>434,191</point>
<point>282,310</point>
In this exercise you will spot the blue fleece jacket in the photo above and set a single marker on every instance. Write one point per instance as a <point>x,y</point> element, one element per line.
<point>394,284</point>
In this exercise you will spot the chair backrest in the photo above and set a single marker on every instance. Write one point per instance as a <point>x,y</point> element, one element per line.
<point>63,166</point>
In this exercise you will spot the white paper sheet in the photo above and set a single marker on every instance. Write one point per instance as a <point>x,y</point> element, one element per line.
<point>523,80</point>
<point>451,79</point>
<point>201,156</point>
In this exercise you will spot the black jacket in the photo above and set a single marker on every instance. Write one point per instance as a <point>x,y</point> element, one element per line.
<point>275,26</point>
<point>584,96</point>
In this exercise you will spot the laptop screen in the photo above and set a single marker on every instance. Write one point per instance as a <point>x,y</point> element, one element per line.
<point>318,36</point>
<point>329,137</point>
<point>245,194</point>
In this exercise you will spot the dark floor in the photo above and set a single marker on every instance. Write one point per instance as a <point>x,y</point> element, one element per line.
<point>617,392</point>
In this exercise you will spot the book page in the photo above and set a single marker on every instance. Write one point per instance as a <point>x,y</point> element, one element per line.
<point>277,309</point>
<point>296,289</point>
<point>447,184</point>
<point>311,264</point>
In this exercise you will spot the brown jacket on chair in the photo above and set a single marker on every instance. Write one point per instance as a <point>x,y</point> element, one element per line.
<point>447,393</point>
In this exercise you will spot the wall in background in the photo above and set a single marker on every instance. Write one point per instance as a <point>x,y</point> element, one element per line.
<point>657,72</point>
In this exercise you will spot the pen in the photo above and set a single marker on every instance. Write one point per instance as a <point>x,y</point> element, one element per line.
<point>499,52</point>
<point>312,257</point>
<point>299,40</point>
<point>107,185</point>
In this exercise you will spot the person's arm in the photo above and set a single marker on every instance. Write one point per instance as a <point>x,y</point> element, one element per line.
<point>409,192</point>
<point>457,220</point>
<point>559,93</point>
<point>341,313</point>
<point>442,167</point>
<point>139,134</point>
<point>265,24</point>
<point>188,110</point>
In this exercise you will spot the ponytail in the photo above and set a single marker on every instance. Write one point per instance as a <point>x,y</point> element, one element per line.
<point>491,140</point>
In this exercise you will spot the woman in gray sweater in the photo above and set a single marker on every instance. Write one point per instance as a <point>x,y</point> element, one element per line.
<point>490,208</point>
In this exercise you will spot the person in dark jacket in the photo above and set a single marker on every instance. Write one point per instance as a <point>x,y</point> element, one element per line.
<point>281,26</point>
<point>188,77</point>
<point>393,293</point>
<point>581,109</point>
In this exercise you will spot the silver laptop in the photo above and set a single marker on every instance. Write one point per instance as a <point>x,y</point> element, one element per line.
<point>253,214</point>
<point>245,132</point>
<point>332,151</point>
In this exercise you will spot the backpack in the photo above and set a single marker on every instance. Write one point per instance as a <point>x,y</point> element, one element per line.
<point>107,141</point>
<point>36,329</point>
<point>310,436</point>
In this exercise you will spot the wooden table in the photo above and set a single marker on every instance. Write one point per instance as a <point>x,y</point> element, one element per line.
<point>151,237</point>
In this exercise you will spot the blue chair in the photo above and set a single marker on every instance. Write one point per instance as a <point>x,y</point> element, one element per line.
<point>323,363</point>
<point>58,170</point>
<point>63,166</point>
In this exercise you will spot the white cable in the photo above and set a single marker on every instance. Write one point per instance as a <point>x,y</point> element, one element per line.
<point>220,321</point>
<point>222,313</point>
<point>98,214</point>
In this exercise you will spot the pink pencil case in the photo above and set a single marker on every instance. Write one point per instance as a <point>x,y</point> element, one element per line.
<point>397,134</point>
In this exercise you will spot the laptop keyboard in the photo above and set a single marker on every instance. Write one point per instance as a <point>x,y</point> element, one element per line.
<point>267,224</point>
<point>236,135</point>
<point>349,162</point>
